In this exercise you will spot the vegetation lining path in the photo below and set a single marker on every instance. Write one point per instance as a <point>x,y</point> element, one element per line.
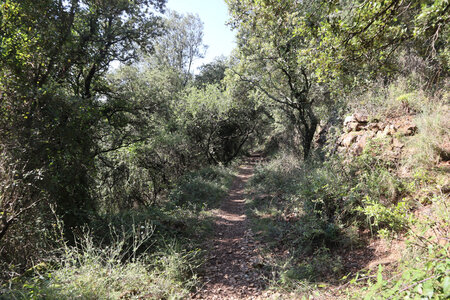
<point>230,272</point>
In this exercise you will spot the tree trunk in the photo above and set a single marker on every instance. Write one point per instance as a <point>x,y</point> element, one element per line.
<point>310,123</point>
<point>6,224</point>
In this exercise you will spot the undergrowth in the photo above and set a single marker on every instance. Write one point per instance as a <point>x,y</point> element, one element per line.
<point>424,270</point>
<point>313,215</point>
<point>91,271</point>
<point>151,252</point>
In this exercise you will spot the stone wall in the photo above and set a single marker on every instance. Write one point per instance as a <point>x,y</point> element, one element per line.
<point>359,130</point>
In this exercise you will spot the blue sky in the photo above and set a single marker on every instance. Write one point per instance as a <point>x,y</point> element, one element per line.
<point>214,14</point>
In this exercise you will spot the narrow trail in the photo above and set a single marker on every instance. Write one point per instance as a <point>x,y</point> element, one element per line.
<point>231,271</point>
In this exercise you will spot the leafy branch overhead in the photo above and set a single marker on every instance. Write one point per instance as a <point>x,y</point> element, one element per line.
<point>117,152</point>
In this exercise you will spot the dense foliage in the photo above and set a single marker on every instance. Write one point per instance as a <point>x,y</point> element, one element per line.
<point>114,150</point>
<point>53,64</point>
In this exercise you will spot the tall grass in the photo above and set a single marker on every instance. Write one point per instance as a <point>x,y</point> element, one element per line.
<point>431,144</point>
<point>115,271</point>
<point>382,100</point>
<point>153,252</point>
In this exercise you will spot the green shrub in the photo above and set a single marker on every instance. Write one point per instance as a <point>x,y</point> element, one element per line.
<point>379,216</point>
<point>201,189</point>
<point>378,191</point>
<point>311,194</point>
<point>424,271</point>
<point>298,275</point>
<point>304,208</point>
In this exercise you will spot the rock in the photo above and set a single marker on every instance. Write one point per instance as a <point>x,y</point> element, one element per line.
<point>355,122</point>
<point>389,130</point>
<point>361,118</point>
<point>356,126</point>
<point>356,149</point>
<point>350,124</point>
<point>397,144</point>
<point>375,127</point>
<point>349,119</point>
<point>407,129</point>
<point>350,138</point>
<point>381,134</point>
<point>362,142</point>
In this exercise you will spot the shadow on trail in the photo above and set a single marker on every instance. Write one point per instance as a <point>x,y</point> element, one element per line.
<point>230,272</point>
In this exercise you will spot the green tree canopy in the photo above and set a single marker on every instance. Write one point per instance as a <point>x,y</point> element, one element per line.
<point>54,55</point>
<point>269,60</point>
<point>181,44</point>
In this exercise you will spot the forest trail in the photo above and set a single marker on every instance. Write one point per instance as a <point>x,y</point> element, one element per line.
<point>231,271</point>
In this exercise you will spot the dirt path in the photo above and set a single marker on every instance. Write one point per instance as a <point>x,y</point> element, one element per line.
<point>232,269</point>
